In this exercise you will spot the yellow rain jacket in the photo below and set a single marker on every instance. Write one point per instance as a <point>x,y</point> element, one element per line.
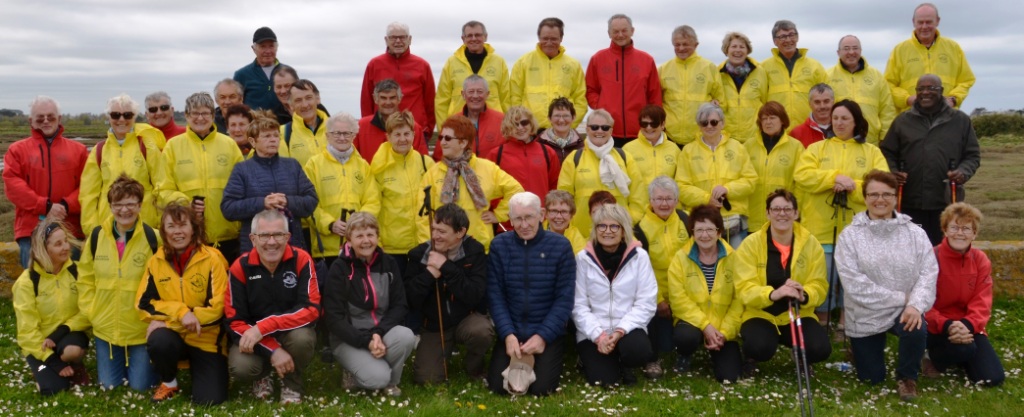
<point>700,169</point>
<point>537,80</point>
<point>808,268</point>
<point>685,85</point>
<point>583,179</point>
<point>815,176</point>
<point>741,104</point>
<point>343,190</point>
<point>868,89</point>
<point>910,60</point>
<point>399,179</point>
<point>656,160</point>
<point>495,184</point>
<point>304,143</point>
<point>39,315</point>
<point>449,101</point>
<point>664,239</point>
<point>690,299</point>
<point>194,167</point>
<point>774,170</point>
<point>164,295</point>
<point>792,90</point>
<point>108,284</point>
<point>156,135</point>
<point>116,159</point>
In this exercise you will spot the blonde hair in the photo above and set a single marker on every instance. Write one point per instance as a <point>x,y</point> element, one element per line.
<point>612,212</point>
<point>361,220</point>
<point>40,235</point>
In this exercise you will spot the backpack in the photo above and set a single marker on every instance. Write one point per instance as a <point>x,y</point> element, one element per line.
<point>544,150</point>
<point>34,276</point>
<point>579,154</point>
<point>99,150</point>
<point>150,237</point>
<point>639,234</point>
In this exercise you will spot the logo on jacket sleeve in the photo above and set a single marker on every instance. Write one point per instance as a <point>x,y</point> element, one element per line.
<point>290,280</point>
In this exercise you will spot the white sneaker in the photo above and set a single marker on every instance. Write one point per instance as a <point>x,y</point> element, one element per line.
<point>290,397</point>
<point>263,388</point>
<point>393,391</point>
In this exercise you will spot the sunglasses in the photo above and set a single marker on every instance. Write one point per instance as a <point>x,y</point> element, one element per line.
<point>46,118</point>
<point>524,123</point>
<point>649,125</point>
<point>712,122</point>
<point>162,107</point>
<point>600,127</point>
<point>446,138</point>
<point>114,115</point>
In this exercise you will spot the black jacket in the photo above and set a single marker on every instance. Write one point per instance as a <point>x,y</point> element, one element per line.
<point>361,300</point>
<point>463,285</point>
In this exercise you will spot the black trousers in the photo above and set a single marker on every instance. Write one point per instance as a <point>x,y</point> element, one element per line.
<point>727,363</point>
<point>979,359</point>
<point>633,350</point>
<point>929,221</point>
<point>547,366</point>
<point>231,249</point>
<point>47,374</point>
<point>209,370</point>
<point>761,338</point>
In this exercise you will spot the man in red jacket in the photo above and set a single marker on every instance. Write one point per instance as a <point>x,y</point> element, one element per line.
<point>387,95</point>
<point>411,72</point>
<point>41,176</point>
<point>818,125</point>
<point>622,80</point>
<point>487,120</point>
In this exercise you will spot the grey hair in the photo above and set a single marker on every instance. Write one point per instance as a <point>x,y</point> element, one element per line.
<point>236,84</point>
<point>525,199</point>
<point>268,215</point>
<point>124,101</point>
<point>707,109</point>
<point>932,5</point>
<point>475,78</point>
<point>43,100</point>
<point>686,31</point>
<point>396,26</point>
<point>821,88</point>
<point>840,44</point>
<point>473,23</point>
<point>387,84</point>
<point>197,100</point>
<point>603,113</point>
<point>665,183</point>
<point>344,118</point>
<point>783,25</point>
<point>619,16</point>
<point>157,96</point>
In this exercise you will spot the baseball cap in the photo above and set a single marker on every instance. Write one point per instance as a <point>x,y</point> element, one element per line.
<point>263,34</point>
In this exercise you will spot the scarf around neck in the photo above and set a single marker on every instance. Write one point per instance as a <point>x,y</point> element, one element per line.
<point>450,187</point>
<point>611,173</point>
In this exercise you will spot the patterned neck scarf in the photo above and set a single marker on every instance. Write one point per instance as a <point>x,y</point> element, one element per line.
<point>450,189</point>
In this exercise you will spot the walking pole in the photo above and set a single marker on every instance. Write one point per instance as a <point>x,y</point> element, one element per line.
<point>901,166</point>
<point>952,183</point>
<point>428,210</point>
<point>796,360</point>
<point>795,306</point>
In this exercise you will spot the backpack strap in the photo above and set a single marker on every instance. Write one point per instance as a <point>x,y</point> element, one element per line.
<point>99,153</point>
<point>34,276</point>
<point>92,239</point>
<point>576,155</point>
<point>423,161</point>
<point>142,147</point>
<point>150,237</point>
<point>497,160</point>
<point>579,154</point>
<point>288,134</point>
<point>682,216</point>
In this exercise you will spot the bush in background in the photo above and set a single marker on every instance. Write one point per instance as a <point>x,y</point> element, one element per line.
<point>1002,123</point>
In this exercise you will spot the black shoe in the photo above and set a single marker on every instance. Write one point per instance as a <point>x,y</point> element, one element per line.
<point>749,369</point>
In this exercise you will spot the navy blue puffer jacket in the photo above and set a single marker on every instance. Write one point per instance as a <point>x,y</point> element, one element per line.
<point>250,183</point>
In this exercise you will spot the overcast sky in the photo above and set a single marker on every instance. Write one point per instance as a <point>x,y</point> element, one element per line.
<point>83,52</point>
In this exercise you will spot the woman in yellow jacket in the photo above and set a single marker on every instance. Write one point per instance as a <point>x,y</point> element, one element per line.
<point>779,263</point>
<point>468,181</point>
<point>113,262</point>
<point>744,85</point>
<point>828,179</point>
<point>196,168</point>
<point>50,327</point>
<point>306,135</point>
<point>185,317</point>
<point>559,209</point>
<point>598,166</point>
<point>773,155</point>
<point>343,182</point>
<point>703,300</point>
<point>129,149</point>
<point>716,170</point>
<point>398,171</point>
<point>653,150</point>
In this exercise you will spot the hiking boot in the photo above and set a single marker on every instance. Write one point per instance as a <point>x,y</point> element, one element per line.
<point>81,376</point>
<point>907,388</point>
<point>263,388</point>
<point>928,369</point>
<point>348,381</point>
<point>290,397</point>
<point>682,365</point>
<point>163,392</point>
<point>749,369</point>
<point>653,370</point>
<point>839,335</point>
<point>393,391</point>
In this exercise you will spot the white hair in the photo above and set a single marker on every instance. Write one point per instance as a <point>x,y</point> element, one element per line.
<point>525,199</point>
<point>43,100</point>
<point>268,215</point>
<point>397,26</point>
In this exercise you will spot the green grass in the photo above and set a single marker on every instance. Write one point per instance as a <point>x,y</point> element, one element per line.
<point>771,393</point>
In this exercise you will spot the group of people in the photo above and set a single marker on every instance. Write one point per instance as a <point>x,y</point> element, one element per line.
<point>297,228</point>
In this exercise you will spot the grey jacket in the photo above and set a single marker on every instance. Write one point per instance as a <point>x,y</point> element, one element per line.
<point>884,266</point>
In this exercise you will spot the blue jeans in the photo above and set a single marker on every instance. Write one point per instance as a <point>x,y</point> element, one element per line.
<point>25,247</point>
<point>835,289</point>
<point>869,353</point>
<point>979,359</point>
<point>660,332</point>
<point>114,368</point>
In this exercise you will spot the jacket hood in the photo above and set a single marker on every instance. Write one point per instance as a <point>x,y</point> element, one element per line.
<point>862,220</point>
<point>38,134</point>
<point>626,255</point>
<point>693,251</point>
<point>460,53</point>
<point>561,51</point>
<point>349,254</point>
<point>753,64</point>
<point>619,50</point>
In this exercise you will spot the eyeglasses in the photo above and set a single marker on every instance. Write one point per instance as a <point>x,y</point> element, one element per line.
<point>712,122</point>
<point>162,107</point>
<point>786,37</point>
<point>114,115</point>
<point>649,125</point>
<point>529,218</point>
<point>524,123</point>
<point>122,206</point>
<point>614,228</point>
<point>339,134</point>
<point>935,88</point>
<point>280,237</point>
<point>665,200</point>
<point>46,118</point>
<point>876,196</point>
<point>446,138</point>
<point>394,38</point>
<point>781,210</point>
<point>600,127</point>
<point>559,212</point>
<point>698,232</point>
<point>957,229</point>
<point>204,114</point>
